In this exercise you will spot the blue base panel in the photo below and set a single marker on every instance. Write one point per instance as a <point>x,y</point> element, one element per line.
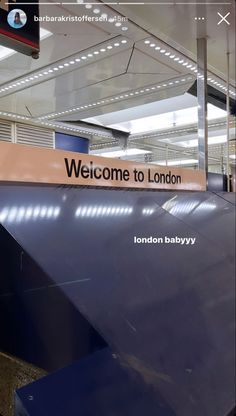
<point>97,385</point>
<point>167,309</point>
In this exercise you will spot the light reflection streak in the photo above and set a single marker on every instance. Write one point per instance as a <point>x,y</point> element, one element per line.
<point>100,211</point>
<point>176,207</point>
<point>25,213</point>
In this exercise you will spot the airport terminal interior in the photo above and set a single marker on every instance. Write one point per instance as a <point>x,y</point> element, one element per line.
<point>117,208</point>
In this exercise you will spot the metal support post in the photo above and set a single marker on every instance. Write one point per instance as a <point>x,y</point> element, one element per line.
<point>202,104</point>
<point>227,127</point>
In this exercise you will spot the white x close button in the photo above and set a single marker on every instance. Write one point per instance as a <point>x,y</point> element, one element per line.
<point>223,18</point>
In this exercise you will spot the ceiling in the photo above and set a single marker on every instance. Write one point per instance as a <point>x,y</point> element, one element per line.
<point>137,63</point>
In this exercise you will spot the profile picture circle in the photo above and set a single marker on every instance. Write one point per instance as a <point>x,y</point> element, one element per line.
<point>16,18</point>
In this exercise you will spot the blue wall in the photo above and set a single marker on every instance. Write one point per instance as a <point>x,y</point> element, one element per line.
<point>216,182</point>
<point>71,143</point>
<point>39,326</point>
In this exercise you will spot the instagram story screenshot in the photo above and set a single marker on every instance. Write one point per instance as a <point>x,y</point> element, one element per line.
<point>117,208</point>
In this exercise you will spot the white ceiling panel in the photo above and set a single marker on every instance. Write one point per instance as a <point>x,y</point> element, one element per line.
<point>55,48</point>
<point>158,107</point>
<point>71,64</point>
<point>127,103</point>
<point>176,25</point>
<point>142,63</point>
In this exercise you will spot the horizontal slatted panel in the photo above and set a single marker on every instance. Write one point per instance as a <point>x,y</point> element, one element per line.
<point>34,136</point>
<point>5,131</point>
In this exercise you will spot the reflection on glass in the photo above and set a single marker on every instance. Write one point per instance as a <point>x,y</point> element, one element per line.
<point>206,206</point>
<point>182,207</point>
<point>176,207</point>
<point>100,211</point>
<point>19,214</point>
<point>148,211</point>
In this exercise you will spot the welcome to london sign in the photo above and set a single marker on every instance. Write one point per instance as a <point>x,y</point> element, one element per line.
<point>19,163</point>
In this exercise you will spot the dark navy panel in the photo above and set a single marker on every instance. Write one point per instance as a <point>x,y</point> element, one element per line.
<point>38,322</point>
<point>71,143</point>
<point>216,182</point>
<point>97,385</point>
<point>167,309</point>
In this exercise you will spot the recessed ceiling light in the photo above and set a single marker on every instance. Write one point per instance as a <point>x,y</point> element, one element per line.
<point>96,11</point>
<point>88,6</point>
<point>118,24</point>
<point>162,50</point>
<point>124,28</point>
<point>177,162</point>
<point>123,153</point>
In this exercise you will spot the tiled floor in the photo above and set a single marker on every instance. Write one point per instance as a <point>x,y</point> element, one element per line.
<point>14,374</point>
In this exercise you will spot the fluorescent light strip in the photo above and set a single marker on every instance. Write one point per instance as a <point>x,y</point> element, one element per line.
<point>54,126</point>
<point>181,60</point>
<point>123,96</point>
<point>194,142</point>
<point>76,130</point>
<point>221,86</point>
<point>165,51</point>
<point>138,136</point>
<point>63,66</point>
<point>177,162</point>
<point>123,153</point>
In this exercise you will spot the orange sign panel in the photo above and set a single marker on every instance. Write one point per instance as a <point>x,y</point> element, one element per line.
<point>19,163</point>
